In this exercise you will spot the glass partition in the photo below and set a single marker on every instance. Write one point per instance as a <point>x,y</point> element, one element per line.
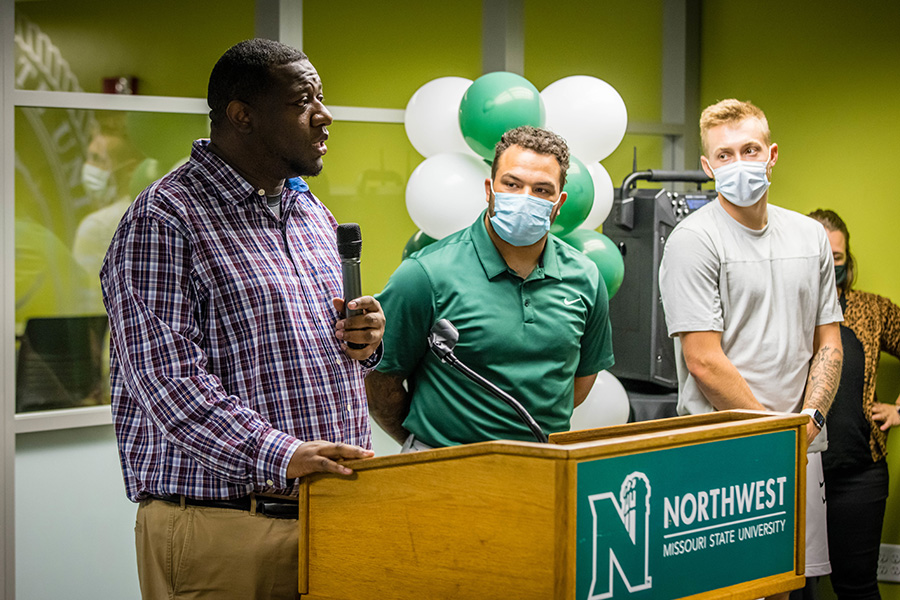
<point>77,172</point>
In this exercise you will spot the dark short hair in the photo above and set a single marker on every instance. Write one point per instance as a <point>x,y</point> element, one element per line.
<point>541,141</point>
<point>244,72</point>
<point>833,222</point>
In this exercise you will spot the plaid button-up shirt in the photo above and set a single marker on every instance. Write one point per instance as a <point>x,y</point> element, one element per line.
<point>223,356</point>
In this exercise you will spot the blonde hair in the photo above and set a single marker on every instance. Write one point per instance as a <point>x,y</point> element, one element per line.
<point>731,112</point>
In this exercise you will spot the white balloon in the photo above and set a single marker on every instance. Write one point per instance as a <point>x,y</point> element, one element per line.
<point>446,193</point>
<point>589,113</point>
<point>432,117</point>
<point>603,197</point>
<point>606,404</point>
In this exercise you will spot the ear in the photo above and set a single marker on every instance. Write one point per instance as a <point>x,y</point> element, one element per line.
<point>238,114</point>
<point>704,162</point>
<point>488,188</point>
<point>773,155</point>
<point>562,200</point>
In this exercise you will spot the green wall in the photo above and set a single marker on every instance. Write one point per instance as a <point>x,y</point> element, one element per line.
<point>618,41</point>
<point>170,46</point>
<point>380,54</point>
<point>828,77</point>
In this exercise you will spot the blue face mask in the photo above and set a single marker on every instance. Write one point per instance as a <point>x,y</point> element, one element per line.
<point>520,219</point>
<point>742,182</point>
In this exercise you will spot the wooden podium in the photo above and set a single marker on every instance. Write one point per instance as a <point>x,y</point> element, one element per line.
<point>707,506</point>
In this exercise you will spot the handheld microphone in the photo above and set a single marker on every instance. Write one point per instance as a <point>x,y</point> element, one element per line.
<point>349,244</point>
<point>442,340</point>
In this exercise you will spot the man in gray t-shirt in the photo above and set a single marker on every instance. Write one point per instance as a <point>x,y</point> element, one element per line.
<point>760,293</point>
<point>748,291</point>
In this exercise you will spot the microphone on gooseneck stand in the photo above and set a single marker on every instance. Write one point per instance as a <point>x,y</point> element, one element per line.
<point>442,340</point>
<point>349,244</point>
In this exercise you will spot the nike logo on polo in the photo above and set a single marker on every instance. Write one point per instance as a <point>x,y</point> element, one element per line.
<point>571,302</point>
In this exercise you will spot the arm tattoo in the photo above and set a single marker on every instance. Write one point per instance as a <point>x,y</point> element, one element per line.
<point>824,377</point>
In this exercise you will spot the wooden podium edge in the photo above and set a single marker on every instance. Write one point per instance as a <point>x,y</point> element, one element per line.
<point>303,542</point>
<point>800,511</point>
<point>717,418</point>
<point>564,566</point>
<point>758,588</point>
<point>630,437</point>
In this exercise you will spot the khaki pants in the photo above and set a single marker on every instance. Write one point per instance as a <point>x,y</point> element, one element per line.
<point>199,553</point>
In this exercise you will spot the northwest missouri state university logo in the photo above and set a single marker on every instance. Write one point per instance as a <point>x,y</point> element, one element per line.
<point>721,513</point>
<point>621,533</point>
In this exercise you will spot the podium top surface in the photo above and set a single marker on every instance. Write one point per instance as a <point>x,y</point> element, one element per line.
<point>608,441</point>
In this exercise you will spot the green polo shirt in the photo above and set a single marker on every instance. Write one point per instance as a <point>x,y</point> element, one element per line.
<point>530,337</point>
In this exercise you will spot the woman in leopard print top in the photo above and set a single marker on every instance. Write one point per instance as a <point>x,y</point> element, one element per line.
<point>856,474</point>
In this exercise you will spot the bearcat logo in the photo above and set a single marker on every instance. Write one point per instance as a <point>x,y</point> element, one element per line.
<point>621,537</point>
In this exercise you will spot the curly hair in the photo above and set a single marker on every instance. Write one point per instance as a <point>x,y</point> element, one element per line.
<point>833,222</point>
<point>541,141</point>
<point>731,112</point>
<point>244,73</point>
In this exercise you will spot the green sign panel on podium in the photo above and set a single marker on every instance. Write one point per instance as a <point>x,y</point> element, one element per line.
<point>648,523</point>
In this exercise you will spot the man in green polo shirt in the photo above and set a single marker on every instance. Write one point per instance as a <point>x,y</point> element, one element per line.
<point>532,313</point>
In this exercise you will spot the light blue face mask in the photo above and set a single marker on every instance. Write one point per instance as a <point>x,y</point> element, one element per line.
<point>520,219</point>
<point>743,182</point>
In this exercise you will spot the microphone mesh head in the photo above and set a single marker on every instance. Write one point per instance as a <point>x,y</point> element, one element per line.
<point>349,240</point>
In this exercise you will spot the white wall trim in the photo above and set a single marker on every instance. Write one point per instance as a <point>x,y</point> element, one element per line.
<point>198,106</point>
<point>88,101</point>
<point>68,418</point>
<point>7,303</point>
<point>367,115</point>
<point>172,104</point>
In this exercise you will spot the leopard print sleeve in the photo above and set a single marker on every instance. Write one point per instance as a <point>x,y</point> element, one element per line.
<point>890,332</point>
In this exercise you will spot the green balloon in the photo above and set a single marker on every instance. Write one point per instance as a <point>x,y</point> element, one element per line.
<point>605,254</point>
<point>494,104</point>
<point>579,199</point>
<point>419,240</point>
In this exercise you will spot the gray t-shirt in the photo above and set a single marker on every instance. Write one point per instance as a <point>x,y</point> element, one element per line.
<point>766,291</point>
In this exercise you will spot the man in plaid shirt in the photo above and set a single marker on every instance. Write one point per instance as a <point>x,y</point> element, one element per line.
<point>231,371</point>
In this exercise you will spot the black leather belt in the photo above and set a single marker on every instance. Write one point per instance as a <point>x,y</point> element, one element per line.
<point>269,506</point>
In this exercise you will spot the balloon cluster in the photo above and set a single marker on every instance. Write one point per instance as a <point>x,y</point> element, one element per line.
<point>455,124</point>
